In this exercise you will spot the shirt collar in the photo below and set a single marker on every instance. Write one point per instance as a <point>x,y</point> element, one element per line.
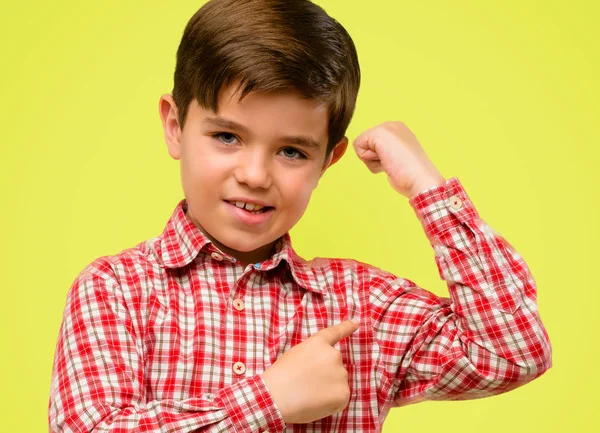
<point>181,242</point>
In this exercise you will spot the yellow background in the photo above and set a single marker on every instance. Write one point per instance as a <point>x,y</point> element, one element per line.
<point>502,94</point>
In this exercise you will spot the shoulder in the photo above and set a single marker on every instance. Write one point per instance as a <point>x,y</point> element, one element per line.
<point>357,274</point>
<point>115,273</point>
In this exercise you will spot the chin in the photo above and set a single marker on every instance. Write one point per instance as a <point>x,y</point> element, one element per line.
<point>242,245</point>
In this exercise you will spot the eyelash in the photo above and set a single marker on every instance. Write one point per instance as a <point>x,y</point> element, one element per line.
<point>221,134</point>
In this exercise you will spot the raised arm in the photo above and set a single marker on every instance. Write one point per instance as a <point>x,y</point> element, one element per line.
<point>486,338</point>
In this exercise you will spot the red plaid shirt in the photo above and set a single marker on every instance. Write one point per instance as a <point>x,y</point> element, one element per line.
<point>172,335</point>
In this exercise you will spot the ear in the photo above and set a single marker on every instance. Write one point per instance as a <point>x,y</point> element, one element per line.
<point>168,115</point>
<point>335,155</point>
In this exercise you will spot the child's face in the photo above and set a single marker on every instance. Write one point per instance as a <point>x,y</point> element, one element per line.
<point>256,164</point>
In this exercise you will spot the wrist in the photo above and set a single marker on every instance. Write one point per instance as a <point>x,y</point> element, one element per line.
<point>274,393</point>
<point>425,184</point>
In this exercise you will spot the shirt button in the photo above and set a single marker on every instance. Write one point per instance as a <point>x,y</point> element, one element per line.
<point>238,304</point>
<point>217,256</point>
<point>239,367</point>
<point>455,202</point>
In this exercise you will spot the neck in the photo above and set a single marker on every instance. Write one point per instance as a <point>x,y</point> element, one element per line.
<point>242,257</point>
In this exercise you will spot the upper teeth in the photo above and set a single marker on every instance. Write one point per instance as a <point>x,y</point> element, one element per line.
<point>248,206</point>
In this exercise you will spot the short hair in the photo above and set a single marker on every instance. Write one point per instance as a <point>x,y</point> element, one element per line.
<point>268,46</point>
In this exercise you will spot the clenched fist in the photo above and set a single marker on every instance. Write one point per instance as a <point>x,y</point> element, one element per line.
<point>309,381</point>
<point>393,148</point>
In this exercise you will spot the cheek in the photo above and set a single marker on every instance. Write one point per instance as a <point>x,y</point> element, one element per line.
<point>202,167</point>
<point>298,190</point>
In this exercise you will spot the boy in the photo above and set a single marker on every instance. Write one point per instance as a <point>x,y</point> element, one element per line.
<point>218,325</point>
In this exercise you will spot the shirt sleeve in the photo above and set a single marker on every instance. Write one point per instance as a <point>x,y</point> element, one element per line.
<point>486,338</point>
<point>98,377</point>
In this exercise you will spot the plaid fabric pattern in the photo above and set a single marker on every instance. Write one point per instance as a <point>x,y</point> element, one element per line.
<point>172,334</point>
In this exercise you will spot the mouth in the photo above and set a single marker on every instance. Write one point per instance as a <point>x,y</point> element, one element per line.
<point>250,209</point>
<point>248,216</point>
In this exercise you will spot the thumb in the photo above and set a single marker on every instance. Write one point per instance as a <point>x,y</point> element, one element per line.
<point>369,155</point>
<point>335,333</point>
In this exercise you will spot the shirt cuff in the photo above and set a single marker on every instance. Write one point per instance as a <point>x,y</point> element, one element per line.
<point>440,208</point>
<point>251,407</point>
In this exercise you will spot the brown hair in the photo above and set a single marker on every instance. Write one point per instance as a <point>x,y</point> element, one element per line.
<point>268,46</point>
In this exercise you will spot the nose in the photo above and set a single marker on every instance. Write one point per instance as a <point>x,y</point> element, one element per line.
<point>254,170</point>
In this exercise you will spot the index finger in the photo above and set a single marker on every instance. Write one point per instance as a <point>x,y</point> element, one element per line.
<point>335,333</point>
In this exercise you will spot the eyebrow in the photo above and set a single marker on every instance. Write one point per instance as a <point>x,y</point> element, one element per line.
<point>299,140</point>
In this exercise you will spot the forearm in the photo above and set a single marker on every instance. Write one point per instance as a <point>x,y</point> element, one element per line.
<point>245,406</point>
<point>99,377</point>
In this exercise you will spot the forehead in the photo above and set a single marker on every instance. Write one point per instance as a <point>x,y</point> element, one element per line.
<point>272,114</point>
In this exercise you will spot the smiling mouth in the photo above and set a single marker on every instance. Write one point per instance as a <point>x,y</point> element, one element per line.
<point>255,212</point>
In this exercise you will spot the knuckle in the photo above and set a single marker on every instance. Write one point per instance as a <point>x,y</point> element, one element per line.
<point>316,344</point>
<point>337,356</point>
<point>344,399</point>
<point>346,396</point>
<point>395,125</point>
